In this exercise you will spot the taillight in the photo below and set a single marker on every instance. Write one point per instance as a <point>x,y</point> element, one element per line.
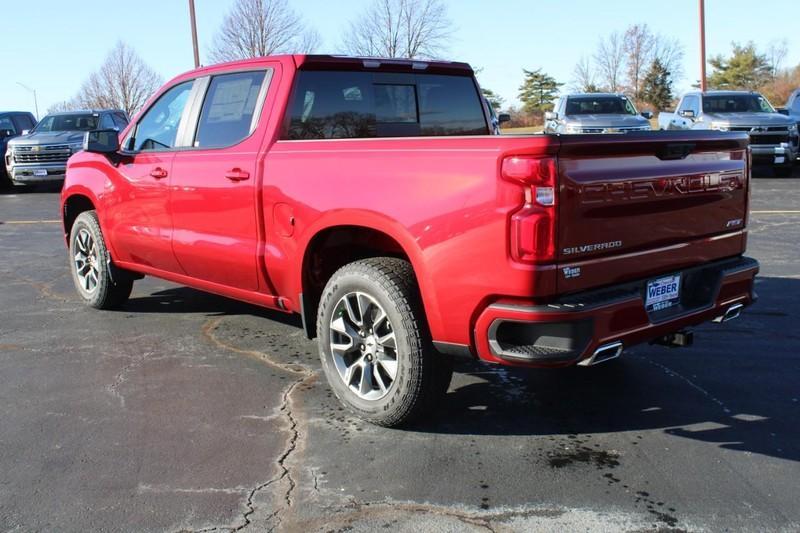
<point>533,225</point>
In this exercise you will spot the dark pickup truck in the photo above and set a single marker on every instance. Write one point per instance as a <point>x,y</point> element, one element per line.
<point>12,124</point>
<point>370,197</point>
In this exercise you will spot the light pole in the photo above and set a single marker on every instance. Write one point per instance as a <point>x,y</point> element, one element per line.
<point>194,34</point>
<point>702,46</point>
<point>35,100</point>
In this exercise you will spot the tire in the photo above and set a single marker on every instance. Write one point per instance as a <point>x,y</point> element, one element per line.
<point>370,321</point>
<point>90,265</point>
<point>783,172</point>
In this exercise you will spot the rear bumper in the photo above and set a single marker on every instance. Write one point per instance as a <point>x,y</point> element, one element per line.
<point>573,328</point>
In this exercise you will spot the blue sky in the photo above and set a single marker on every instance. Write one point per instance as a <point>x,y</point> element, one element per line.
<point>68,39</point>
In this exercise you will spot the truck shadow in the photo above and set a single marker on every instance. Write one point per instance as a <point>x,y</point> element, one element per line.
<point>737,388</point>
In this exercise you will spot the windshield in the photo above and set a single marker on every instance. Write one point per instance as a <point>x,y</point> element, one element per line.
<point>736,103</point>
<point>602,105</point>
<point>83,122</point>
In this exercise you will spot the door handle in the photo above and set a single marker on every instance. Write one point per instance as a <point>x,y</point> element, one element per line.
<point>158,173</point>
<point>237,174</point>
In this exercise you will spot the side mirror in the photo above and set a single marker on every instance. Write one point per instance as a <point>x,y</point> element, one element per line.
<point>503,117</point>
<point>101,141</point>
<point>647,114</point>
<point>551,115</point>
<point>6,133</point>
<point>687,113</point>
<point>25,132</point>
<point>783,111</point>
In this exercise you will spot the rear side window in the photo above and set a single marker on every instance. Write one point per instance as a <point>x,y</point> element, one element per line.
<point>228,109</point>
<point>341,105</point>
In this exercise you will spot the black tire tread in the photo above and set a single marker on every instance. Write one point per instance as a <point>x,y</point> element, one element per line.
<point>396,278</point>
<point>110,294</point>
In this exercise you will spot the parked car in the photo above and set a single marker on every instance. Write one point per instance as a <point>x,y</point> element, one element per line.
<point>792,110</point>
<point>41,155</point>
<point>595,113</point>
<point>773,136</point>
<point>12,124</point>
<point>369,197</point>
<point>495,119</point>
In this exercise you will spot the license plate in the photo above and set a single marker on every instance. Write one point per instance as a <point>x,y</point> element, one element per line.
<point>40,172</point>
<point>779,160</point>
<point>663,293</point>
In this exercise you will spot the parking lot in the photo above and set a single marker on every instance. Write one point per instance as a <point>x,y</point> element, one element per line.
<point>186,411</point>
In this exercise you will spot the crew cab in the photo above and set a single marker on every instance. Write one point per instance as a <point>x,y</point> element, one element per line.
<point>773,136</point>
<point>370,197</point>
<point>792,110</point>
<point>595,113</point>
<point>40,156</point>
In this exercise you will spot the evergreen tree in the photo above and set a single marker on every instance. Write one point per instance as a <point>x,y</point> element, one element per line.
<point>494,99</point>
<point>538,91</point>
<point>745,69</point>
<point>657,86</point>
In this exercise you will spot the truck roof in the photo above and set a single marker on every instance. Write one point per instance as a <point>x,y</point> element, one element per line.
<point>84,111</point>
<point>592,95</point>
<point>719,93</point>
<point>342,62</point>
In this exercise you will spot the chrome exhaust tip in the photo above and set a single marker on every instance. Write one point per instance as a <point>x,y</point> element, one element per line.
<point>605,352</point>
<point>732,312</point>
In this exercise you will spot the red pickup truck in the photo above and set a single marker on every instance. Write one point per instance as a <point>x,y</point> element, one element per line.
<point>370,197</point>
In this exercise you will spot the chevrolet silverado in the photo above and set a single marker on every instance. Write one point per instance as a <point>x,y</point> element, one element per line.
<point>370,197</point>
<point>595,113</point>
<point>773,136</point>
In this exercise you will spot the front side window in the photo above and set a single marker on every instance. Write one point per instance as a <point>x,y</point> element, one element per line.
<point>690,103</point>
<point>25,122</point>
<point>158,128</point>
<point>119,120</point>
<point>339,104</point>
<point>227,114</point>
<point>106,123</point>
<point>70,122</point>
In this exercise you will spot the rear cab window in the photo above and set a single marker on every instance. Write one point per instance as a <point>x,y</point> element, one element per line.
<point>358,104</point>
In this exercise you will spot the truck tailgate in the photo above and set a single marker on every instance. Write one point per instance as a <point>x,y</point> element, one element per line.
<point>636,205</point>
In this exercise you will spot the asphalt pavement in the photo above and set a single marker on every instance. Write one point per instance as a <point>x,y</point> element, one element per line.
<point>186,411</point>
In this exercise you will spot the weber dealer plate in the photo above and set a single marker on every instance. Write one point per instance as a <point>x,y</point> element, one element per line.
<point>663,293</point>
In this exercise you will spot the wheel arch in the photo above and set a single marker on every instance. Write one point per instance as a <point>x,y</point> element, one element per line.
<point>331,246</point>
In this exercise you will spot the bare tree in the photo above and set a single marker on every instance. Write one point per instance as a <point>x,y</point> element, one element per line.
<point>610,60</point>
<point>776,55</point>
<point>638,44</point>
<point>64,105</point>
<point>124,81</point>
<point>669,51</point>
<point>583,76</point>
<point>400,28</point>
<point>255,28</point>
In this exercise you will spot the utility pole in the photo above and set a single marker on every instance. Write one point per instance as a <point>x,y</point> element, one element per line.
<point>702,46</point>
<point>194,34</point>
<point>35,100</point>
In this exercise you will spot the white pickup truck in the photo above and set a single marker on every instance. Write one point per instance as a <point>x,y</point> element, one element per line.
<point>773,136</point>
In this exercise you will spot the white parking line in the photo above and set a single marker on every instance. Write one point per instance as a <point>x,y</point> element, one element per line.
<point>775,212</point>
<point>55,221</point>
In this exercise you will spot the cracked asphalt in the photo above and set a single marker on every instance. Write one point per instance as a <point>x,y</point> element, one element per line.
<point>190,412</point>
